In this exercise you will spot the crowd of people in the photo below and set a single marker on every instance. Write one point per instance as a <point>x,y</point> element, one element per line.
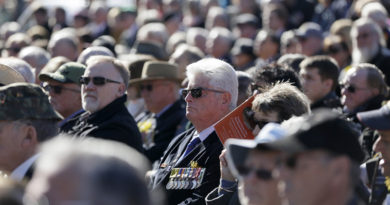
<point>118,105</point>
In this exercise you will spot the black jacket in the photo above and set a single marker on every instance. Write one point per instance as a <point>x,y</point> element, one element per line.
<point>382,61</point>
<point>206,154</point>
<point>164,129</point>
<point>331,100</point>
<point>113,122</point>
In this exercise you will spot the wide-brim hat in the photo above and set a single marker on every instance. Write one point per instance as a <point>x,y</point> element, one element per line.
<point>158,70</point>
<point>378,119</point>
<point>238,149</point>
<point>8,75</point>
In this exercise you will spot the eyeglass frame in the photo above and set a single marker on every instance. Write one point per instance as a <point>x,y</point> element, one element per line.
<point>55,88</point>
<point>263,174</point>
<point>184,92</point>
<point>93,79</point>
<point>351,88</point>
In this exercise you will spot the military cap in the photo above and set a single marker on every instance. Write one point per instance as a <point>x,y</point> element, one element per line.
<point>20,101</point>
<point>67,73</point>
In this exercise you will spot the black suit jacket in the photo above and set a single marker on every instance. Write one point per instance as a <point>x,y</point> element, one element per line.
<point>112,122</point>
<point>166,125</point>
<point>206,154</point>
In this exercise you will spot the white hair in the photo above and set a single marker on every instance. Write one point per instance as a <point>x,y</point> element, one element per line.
<point>21,66</point>
<point>38,54</point>
<point>156,32</point>
<point>220,75</point>
<point>375,11</point>
<point>223,33</point>
<point>93,51</point>
<point>362,22</point>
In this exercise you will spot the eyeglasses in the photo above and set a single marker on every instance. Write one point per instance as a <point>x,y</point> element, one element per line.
<point>291,161</point>
<point>351,88</point>
<point>334,49</point>
<point>249,114</point>
<point>97,80</point>
<point>263,174</point>
<point>148,87</point>
<point>197,92</point>
<point>57,89</point>
<point>364,35</point>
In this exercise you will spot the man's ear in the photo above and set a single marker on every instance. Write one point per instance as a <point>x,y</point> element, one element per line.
<point>30,138</point>
<point>226,98</point>
<point>121,90</point>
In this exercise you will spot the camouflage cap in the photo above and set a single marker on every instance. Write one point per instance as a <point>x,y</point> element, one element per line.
<point>20,101</point>
<point>67,73</point>
<point>8,75</point>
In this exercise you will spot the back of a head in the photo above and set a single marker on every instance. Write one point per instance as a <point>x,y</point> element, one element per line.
<point>274,72</point>
<point>21,66</point>
<point>108,172</point>
<point>93,51</point>
<point>284,99</point>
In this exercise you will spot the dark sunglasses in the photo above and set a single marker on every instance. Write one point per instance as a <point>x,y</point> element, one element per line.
<point>57,89</point>
<point>148,87</point>
<point>334,49</point>
<point>263,174</point>
<point>97,80</point>
<point>351,88</point>
<point>250,117</point>
<point>197,92</point>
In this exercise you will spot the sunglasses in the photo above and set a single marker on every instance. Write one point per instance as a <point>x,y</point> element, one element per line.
<point>263,174</point>
<point>57,89</point>
<point>351,88</point>
<point>97,80</point>
<point>148,87</point>
<point>250,116</point>
<point>197,92</point>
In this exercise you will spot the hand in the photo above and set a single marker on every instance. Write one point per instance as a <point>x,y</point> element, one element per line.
<point>225,171</point>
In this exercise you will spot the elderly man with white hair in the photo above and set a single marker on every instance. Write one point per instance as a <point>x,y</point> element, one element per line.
<point>369,45</point>
<point>189,169</point>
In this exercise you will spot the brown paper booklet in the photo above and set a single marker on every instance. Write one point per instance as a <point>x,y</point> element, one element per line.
<point>236,124</point>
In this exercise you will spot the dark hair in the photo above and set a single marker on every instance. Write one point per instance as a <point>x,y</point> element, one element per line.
<point>275,72</point>
<point>326,66</point>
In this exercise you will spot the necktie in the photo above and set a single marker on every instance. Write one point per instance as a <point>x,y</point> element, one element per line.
<point>192,145</point>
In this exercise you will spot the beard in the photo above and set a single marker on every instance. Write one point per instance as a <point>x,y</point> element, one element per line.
<point>89,104</point>
<point>365,54</point>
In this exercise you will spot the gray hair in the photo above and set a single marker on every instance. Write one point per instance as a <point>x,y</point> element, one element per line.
<point>219,74</point>
<point>284,99</point>
<point>111,172</point>
<point>156,32</point>
<point>375,77</point>
<point>117,64</point>
<point>93,51</point>
<point>21,66</point>
<point>195,32</point>
<point>362,22</point>
<point>38,54</point>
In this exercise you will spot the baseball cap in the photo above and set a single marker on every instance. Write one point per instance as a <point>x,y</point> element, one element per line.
<point>238,149</point>
<point>378,119</point>
<point>67,73</point>
<point>322,130</point>
<point>8,75</point>
<point>25,101</point>
<point>309,29</point>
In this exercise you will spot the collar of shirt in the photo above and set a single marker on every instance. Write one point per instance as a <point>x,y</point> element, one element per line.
<point>204,134</point>
<point>20,171</point>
